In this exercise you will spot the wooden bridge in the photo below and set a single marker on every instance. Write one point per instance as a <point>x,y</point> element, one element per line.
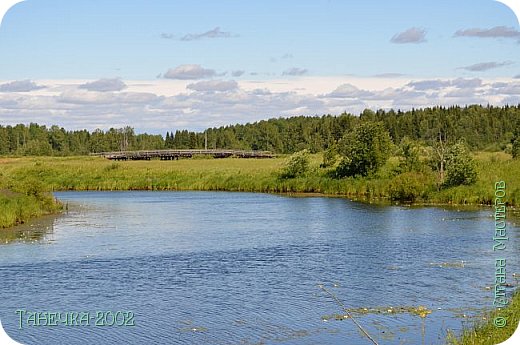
<point>176,154</point>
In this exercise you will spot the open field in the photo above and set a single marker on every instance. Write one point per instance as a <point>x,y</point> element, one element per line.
<point>252,175</point>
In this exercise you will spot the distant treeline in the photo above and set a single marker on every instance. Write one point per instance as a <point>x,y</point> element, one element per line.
<point>36,140</point>
<point>489,128</point>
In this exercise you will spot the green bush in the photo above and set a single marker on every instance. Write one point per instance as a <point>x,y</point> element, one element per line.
<point>297,165</point>
<point>330,157</point>
<point>36,148</point>
<point>460,166</point>
<point>409,156</point>
<point>31,187</point>
<point>364,150</point>
<point>515,148</point>
<point>411,186</point>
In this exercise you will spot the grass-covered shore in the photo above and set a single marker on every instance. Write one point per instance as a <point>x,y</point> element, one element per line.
<point>256,175</point>
<point>25,180</point>
<point>486,333</point>
<point>17,207</point>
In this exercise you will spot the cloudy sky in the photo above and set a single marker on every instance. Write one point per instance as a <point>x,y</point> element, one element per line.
<point>167,64</point>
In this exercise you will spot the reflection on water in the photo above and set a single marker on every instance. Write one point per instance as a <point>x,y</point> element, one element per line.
<point>240,268</point>
<point>34,231</point>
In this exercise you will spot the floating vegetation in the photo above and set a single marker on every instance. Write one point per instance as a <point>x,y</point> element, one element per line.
<point>336,317</point>
<point>467,313</point>
<point>347,312</point>
<point>384,332</point>
<point>193,329</point>
<point>393,268</point>
<point>420,311</point>
<point>506,285</point>
<point>455,264</point>
<point>484,331</point>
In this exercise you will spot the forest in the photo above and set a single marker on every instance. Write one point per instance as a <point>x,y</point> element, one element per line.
<point>484,128</point>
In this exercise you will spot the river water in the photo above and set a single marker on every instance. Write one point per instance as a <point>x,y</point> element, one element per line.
<point>243,268</point>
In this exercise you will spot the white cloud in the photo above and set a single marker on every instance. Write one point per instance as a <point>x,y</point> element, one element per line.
<point>295,71</point>
<point>213,85</point>
<point>423,85</point>
<point>461,93</point>
<point>106,98</point>
<point>428,84</point>
<point>157,105</point>
<point>495,32</point>
<point>189,72</point>
<point>167,36</point>
<point>412,35</point>
<point>349,91</point>
<point>104,85</point>
<point>237,73</point>
<point>20,86</point>
<point>389,75</point>
<point>486,66</point>
<point>467,83</point>
<point>506,89</point>
<point>215,33</point>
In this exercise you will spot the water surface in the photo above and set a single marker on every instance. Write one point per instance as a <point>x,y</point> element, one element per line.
<point>241,268</point>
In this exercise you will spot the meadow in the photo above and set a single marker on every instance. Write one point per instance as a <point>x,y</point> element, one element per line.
<point>24,181</point>
<point>257,175</point>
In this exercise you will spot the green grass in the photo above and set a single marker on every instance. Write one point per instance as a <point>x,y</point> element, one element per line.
<point>231,174</point>
<point>257,175</point>
<point>17,208</point>
<point>486,333</point>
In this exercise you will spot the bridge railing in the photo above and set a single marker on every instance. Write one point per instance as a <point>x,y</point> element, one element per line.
<point>148,154</point>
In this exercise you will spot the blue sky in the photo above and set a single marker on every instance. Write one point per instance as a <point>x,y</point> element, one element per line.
<point>94,39</point>
<point>313,48</point>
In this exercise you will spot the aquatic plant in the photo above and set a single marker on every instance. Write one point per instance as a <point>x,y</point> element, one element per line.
<point>485,332</point>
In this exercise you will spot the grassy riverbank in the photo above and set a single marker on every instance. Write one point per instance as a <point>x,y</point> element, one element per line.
<point>252,175</point>
<point>24,180</point>
<point>487,333</point>
<point>18,207</point>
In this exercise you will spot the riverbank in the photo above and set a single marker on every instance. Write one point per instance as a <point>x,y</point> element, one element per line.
<point>258,175</point>
<point>241,175</point>
<point>17,208</point>
<point>487,333</point>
